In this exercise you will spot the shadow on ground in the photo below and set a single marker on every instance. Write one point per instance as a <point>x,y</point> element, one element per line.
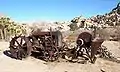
<point>8,53</point>
<point>34,54</point>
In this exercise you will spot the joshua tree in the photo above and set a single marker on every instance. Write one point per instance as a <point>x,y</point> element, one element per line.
<point>4,22</point>
<point>8,27</point>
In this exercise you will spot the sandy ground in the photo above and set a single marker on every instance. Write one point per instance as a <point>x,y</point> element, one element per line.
<point>31,64</point>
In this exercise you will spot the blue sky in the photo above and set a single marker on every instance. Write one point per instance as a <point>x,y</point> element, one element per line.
<point>27,10</point>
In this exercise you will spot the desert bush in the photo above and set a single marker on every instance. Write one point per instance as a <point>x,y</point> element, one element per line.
<point>73,26</point>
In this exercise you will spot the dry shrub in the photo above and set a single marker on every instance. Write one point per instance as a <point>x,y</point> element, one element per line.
<point>72,37</point>
<point>111,33</point>
<point>73,26</point>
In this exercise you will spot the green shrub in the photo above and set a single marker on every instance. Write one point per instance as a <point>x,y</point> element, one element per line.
<point>73,26</point>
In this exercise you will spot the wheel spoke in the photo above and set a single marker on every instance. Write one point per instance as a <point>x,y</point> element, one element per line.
<point>21,41</point>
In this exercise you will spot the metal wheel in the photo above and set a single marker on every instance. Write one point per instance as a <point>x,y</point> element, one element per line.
<point>52,53</point>
<point>18,47</point>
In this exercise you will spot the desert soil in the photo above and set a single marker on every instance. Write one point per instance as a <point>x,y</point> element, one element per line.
<point>31,64</point>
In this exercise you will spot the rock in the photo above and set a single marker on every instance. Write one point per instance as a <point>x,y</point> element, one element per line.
<point>118,58</point>
<point>102,70</point>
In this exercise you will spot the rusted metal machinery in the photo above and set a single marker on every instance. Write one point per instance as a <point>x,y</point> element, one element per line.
<point>49,46</point>
<point>45,44</point>
<point>87,47</point>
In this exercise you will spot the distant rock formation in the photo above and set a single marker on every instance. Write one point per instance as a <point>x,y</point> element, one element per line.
<point>109,19</point>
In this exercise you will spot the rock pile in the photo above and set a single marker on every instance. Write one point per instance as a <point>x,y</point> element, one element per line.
<point>109,19</point>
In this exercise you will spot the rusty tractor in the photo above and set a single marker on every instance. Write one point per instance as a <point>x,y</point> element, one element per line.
<point>49,46</point>
<point>44,45</point>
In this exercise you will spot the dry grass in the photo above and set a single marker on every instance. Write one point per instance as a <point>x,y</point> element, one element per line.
<point>71,38</point>
<point>110,33</point>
